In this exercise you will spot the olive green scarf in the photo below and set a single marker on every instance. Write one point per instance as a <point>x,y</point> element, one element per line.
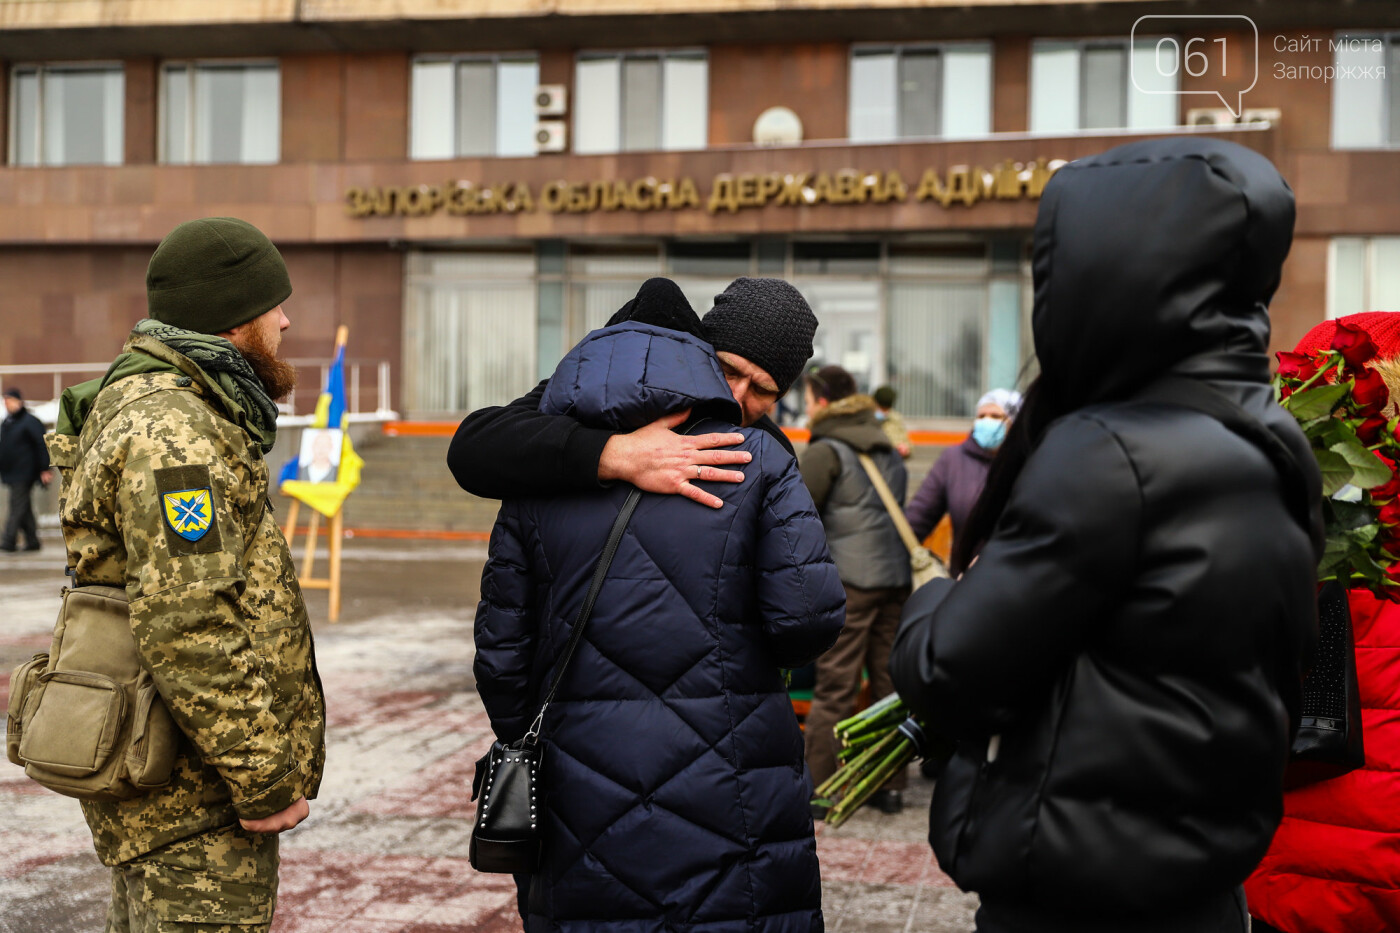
<point>225,371</point>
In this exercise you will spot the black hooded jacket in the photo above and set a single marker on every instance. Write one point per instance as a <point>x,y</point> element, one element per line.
<point>1132,632</point>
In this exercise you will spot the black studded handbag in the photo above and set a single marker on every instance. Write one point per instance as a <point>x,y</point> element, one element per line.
<point>506,838</point>
<point>1329,742</point>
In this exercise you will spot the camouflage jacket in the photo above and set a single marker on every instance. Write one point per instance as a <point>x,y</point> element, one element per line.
<point>166,496</point>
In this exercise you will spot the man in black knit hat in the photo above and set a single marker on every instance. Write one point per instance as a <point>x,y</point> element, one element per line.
<point>761,330</point>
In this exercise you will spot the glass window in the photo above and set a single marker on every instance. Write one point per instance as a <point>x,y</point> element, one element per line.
<point>937,343</point>
<point>967,90</point>
<point>470,327</point>
<point>66,115</point>
<point>1363,274</point>
<point>1100,84</point>
<point>1365,92</point>
<point>685,101</point>
<point>848,329</point>
<point>709,258</point>
<point>640,101</point>
<point>851,258</point>
<point>473,106</point>
<point>221,113</point>
<point>920,91</point>
<point>939,259</point>
<point>873,114</point>
<point>1103,95</point>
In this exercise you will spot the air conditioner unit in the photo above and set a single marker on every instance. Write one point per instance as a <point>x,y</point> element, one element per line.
<point>550,136</point>
<point>1209,116</point>
<point>1261,115</point>
<point>551,100</point>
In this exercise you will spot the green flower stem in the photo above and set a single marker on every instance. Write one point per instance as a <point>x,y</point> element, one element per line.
<point>851,773</point>
<point>846,773</point>
<point>873,710</point>
<point>1336,358</point>
<point>897,758</point>
<point>881,720</point>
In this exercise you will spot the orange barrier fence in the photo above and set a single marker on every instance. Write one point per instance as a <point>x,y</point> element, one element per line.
<point>797,435</point>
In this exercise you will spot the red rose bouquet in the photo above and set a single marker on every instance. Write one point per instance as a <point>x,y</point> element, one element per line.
<point>1339,398</point>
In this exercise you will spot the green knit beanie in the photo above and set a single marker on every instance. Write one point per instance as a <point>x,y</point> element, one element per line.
<point>213,274</point>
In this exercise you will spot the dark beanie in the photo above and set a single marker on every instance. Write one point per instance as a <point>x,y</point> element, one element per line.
<point>213,274</point>
<point>767,322</point>
<point>660,303</point>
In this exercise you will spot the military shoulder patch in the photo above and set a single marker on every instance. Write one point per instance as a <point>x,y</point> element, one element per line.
<point>187,502</point>
<point>189,512</point>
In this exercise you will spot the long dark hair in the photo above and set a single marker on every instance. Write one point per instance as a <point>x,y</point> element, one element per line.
<point>1039,407</point>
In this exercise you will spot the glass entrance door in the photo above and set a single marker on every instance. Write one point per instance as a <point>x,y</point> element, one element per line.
<point>849,327</point>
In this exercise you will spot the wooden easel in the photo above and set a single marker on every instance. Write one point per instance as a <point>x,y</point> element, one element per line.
<point>335,531</point>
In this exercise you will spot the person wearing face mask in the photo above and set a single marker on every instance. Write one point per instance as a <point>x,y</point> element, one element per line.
<point>956,480</point>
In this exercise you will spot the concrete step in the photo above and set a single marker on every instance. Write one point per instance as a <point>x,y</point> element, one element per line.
<point>406,485</point>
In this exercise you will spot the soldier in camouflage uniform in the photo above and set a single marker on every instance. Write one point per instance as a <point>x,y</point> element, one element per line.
<point>165,493</point>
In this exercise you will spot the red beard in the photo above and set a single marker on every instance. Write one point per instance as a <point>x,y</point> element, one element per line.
<point>278,376</point>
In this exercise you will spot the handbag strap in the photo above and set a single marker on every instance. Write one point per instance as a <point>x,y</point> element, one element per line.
<point>896,513</point>
<point>604,562</point>
<point>1201,397</point>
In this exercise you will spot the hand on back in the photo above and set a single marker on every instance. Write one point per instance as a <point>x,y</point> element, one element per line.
<point>655,458</point>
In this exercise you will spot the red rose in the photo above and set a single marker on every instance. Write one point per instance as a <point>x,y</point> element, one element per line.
<point>1353,343</point>
<point>1387,490</point>
<point>1369,431</point>
<point>1390,513</point>
<point>1297,366</point>
<point>1369,391</point>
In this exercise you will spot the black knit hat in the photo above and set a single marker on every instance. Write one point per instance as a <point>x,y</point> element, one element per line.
<point>14,393</point>
<point>767,322</point>
<point>660,303</point>
<point>213,274</point>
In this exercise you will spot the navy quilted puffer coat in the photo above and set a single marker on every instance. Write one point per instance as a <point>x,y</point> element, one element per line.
<point>677,797</point>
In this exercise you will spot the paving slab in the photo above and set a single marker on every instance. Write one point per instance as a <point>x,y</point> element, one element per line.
<point>385,849</point>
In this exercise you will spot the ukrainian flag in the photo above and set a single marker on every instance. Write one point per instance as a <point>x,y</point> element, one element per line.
<point>327,498</point>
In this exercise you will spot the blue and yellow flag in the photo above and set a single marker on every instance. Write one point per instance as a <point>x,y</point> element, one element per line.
<point>327,498</point>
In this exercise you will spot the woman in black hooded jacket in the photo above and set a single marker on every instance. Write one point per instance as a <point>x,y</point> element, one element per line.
<point>1120,666</point>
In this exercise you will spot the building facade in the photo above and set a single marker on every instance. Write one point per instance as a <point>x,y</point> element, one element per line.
<point>472,185</point>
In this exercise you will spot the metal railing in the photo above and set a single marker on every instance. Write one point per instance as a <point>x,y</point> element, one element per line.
<point>62,375</point>
<point>355,389</point>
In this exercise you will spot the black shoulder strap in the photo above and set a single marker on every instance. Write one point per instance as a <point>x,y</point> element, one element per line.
<point>604,562</point>
<point>1201,397</point>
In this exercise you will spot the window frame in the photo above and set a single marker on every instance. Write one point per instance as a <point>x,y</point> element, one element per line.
<point>41,69</point>
<point>1126,46</point>
<point>1390,93</point>
<point>193,65</point>
<point>899,49</point>
<point>455,59</point>
<point>621,56</point>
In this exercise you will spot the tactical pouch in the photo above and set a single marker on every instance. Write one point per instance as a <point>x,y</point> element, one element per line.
<point>21,685</point>
<point>86,720</point>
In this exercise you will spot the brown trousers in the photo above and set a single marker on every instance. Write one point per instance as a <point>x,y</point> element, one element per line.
<point>872,619</point>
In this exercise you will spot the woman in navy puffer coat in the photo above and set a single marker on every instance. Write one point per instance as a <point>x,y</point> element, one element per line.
<point>676,795</point>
